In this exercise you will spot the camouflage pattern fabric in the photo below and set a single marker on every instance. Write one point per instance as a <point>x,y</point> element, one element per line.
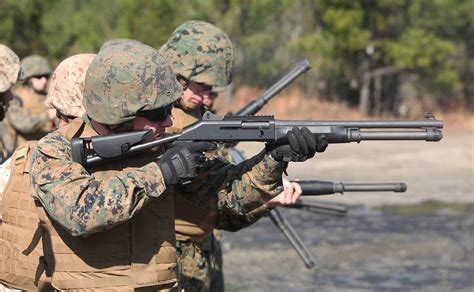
<point>238,188</point>
<point>200,52</point>
<point>35,65</point>
<point>26,120</point>
<point>9,74</point>
<point>216,261</point>
<point>233,223</point>
<point>121,80</point>
<point>9,68</point>
<point>193,267</point>
<point>136,78</point>
<point>81,203</point>
<point>66,85</point>
<point>200,264</point>
<point>84,205</point>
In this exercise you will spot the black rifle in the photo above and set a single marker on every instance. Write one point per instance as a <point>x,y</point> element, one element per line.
<point>284,226</point>
<point>321,188</point>
<point>318,208</point>
<point>290,234</point>
<point>255,105</point>
<point>255,128</point>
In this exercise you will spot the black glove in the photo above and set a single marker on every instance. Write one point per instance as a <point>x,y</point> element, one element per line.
<point>302,145</point>
<point>180,162</point>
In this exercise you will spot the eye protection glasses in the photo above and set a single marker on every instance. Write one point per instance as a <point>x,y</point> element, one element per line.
<point>158,114</point>
<point>197,86</point>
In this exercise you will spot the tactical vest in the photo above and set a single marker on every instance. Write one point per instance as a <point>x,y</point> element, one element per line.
<point>21,256</point>
<point>34,103</point>
<point>138,253</point>
<point>192,222</point>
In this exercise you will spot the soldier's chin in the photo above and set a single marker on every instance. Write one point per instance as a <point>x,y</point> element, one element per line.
<point>187,105</point>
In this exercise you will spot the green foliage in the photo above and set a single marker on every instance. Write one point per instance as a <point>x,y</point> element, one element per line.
<point>346,26</point>
<point>426,53</point>
<point>429,40</point>
<point>20,25</point>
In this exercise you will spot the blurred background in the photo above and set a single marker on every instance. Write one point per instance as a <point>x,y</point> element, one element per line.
<point>398,56</point>
<point>370,59</point>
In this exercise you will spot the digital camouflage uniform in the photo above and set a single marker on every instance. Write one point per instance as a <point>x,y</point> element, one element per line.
<point>202,53</point>
<point>119,201</point>
<point>9,73</point>
<point>200,261</point>
<point>27,118</point>
<point>21,220</point>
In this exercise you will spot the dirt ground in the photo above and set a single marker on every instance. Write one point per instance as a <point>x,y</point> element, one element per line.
<point>370,250</point>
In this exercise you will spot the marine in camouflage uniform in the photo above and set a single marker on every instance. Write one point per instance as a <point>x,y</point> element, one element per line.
<point>201,53</point>
<point>28,119</point>
<point>9,73</point>
<point>202,57</point>
<point>21,220</point>
<point>94,215</point>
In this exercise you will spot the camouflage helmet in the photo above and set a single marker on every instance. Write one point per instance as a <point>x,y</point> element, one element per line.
<point>35,65</point>
<point>66,86</point>
<point>200,52</point>
<point>125,79</point>
<point>114,42</point>
<point>9,68</point>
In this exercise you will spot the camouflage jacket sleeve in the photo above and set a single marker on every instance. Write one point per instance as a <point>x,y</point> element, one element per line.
<point>77,200</point>
<point>238,188</point>
<point>235,222</point>
<point>23,120</point>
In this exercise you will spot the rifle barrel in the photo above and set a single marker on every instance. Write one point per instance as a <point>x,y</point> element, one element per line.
<point>321,188</point>
<point>290,234</point>
<point>318,208</point>
<point>373,187</point>
<point>375,124</point>
<point>254,106</point>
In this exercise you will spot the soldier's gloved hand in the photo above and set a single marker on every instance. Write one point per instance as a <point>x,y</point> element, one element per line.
<point>302,145</point>
<point>181,160</point>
